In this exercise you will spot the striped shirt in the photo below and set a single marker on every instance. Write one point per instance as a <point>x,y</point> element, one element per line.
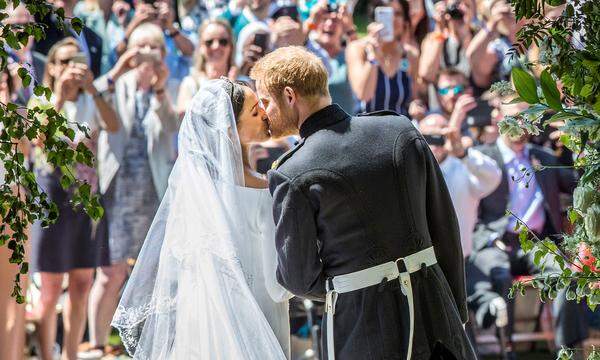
<point>392,93</point>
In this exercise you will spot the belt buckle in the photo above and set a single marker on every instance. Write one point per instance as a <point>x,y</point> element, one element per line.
<point>401,265</point>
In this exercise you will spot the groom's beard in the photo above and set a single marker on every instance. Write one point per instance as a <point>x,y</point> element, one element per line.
<point>284,123</point>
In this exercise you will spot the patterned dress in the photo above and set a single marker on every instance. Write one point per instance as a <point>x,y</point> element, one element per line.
<point>131,201</point>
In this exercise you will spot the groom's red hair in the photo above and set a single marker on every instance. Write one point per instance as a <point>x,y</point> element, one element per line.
<point>292,66</point>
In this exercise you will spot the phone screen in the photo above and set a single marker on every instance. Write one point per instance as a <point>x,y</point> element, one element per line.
<point>385,16</point>
<point>80,58</point>
<point>260,40</point>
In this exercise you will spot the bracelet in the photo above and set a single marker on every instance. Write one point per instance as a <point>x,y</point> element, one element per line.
<point>439,36</point>
<point>159,91</point>
<point>97,94</point>
<point>485,28</point>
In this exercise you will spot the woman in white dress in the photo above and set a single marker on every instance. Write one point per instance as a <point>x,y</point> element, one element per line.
<point>204,285</point>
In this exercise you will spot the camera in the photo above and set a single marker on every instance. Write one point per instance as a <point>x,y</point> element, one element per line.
<point>481,115</point>
<point>454,12</point>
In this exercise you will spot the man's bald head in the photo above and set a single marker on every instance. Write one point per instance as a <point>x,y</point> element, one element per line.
<point>433,124</point>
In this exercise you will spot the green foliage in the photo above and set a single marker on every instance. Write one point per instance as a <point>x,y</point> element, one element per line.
<point>567,91</point>
<point>22,201</point>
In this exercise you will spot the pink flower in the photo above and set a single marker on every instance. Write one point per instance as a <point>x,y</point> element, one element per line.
<point>585,256</point>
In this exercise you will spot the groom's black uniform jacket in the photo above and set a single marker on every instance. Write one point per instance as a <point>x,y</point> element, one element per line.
<point>357,192</point>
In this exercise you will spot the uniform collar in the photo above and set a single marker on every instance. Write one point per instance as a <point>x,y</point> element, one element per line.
<point>323,118</point>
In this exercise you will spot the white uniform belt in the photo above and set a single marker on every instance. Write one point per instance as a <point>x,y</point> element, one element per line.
<point>373,276</point>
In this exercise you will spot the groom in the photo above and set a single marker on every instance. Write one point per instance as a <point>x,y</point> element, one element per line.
<point>364,221</point>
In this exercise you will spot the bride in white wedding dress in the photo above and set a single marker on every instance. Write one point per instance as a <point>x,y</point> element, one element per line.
<point>204,285</point>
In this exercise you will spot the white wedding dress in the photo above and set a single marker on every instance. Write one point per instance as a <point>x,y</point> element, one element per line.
<point>204,284</point>
<point>259,262</point>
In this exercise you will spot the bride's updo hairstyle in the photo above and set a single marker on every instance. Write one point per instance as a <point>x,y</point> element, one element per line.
<point>236,94</point>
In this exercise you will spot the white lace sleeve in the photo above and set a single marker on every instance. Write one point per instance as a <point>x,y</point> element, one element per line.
<point>269,253</point>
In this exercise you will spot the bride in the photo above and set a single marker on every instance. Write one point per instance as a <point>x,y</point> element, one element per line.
<point>204,285</point>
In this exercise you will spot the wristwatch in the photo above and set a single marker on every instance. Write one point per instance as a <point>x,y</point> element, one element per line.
<point>172,33</point>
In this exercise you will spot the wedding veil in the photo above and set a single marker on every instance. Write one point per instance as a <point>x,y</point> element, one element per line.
<point>187,297</point>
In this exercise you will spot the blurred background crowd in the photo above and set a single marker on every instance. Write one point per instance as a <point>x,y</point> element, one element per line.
<point>132,70</point>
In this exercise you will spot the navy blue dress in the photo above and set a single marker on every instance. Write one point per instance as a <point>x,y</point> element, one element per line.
<point>392,93</point>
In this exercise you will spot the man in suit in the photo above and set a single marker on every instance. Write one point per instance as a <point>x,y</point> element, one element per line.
<point>534,198</point>
<point>89,41</point>
<point>364,221</point>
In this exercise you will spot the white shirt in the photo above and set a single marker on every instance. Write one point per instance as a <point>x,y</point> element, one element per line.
<point>469,180</point>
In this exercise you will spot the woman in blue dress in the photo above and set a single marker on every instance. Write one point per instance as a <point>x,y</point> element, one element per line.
<point>381,72</point>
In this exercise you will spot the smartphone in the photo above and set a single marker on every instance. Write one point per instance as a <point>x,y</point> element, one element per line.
<point>291,11</point>
<point>385,16</point>
<point>481,115</point>
<point>148,55</point>
<point>261,40</point>
<point>80,58</point>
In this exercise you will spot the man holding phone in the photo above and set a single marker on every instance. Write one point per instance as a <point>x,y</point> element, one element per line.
<point>454,96</point>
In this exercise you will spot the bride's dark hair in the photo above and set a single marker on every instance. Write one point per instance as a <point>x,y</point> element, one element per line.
<point>236,93</point>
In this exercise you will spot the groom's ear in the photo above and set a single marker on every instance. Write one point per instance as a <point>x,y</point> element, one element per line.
<point>290,95</point>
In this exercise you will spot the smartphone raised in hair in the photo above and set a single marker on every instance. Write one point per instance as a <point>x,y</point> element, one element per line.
<point>261,40</point>
<point>148,55</point>
<point>385,15</point>
<point>80,58</point>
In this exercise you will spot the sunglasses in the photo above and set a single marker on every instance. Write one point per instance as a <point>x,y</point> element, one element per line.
<point>451,90</point>
<point>435,140</point>
<point>222,42</point>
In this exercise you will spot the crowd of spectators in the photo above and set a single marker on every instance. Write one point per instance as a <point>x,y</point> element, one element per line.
<point>133,69</point>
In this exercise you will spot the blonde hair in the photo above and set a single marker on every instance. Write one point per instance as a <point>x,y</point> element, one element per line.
<point>199,59</point>
<point>292,66</point>
<point>147,30</point>
<point>51,59</point>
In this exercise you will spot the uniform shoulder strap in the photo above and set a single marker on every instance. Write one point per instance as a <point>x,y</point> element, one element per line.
<point>288,154</point>
<point>380,113</point>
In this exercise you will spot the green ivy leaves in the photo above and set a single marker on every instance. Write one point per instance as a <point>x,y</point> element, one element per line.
<point>525,85</point>
<point>550,90</point>
<point>21,200</point>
